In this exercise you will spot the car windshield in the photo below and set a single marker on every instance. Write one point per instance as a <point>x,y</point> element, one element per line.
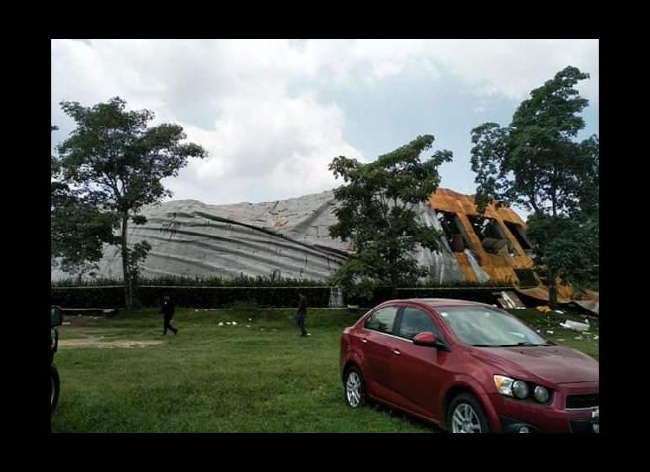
<point>483,326</point>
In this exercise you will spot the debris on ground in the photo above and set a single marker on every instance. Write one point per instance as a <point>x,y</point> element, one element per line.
<point>220,323</point>
<point>559,312</point>
<point>510,300</point>
<point>544,309</point>
<point>575,325</point>
<point>234,323</point>
<point>549,332</point>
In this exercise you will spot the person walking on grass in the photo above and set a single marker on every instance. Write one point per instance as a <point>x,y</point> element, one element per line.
<point>302,313</point>
<point>167,310</point>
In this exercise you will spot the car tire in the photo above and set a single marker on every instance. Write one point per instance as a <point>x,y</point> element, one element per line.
<point>354,387</point>
<point>56,387</point>
<point>465,415</point>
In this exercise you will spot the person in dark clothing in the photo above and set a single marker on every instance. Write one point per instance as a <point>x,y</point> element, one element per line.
<point>167,310</point>
<point>302,312</point>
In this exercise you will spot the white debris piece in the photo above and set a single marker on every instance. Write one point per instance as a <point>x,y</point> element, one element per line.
<point>250,319</point>
<point>228,323</point>
<point>560,312</point>
<point>234,323</point>
<point>549,332</point>
<point>220,323</point>
<point>575,326</point>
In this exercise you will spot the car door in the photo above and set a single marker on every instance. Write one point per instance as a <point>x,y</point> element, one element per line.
<point>377,341</point>
<point>417,371</point>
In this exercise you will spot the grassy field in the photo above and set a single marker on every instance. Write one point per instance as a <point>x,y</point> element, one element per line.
<point>256,376</point>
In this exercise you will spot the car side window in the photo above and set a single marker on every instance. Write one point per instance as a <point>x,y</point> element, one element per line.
<point>415,321</point>
<point>383,320</point>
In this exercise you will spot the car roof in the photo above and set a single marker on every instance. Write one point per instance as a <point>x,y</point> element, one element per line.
<point>440,302</point>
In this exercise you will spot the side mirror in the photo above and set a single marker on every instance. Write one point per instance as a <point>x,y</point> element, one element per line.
<point>425,338</point>
<point>56,316</point>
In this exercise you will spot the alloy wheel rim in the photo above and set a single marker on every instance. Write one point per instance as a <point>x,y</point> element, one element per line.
<point>465,420</point>
<point>353,389</point>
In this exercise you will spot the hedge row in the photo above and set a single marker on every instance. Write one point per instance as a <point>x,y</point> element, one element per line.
<point>260,281</point>
<point>220,297</point>
<point>241,281</point>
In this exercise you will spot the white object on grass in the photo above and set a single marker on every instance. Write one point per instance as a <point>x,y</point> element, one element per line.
<point>575,326</point>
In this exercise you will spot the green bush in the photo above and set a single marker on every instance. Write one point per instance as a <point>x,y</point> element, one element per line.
<point>250,297</point>
<point>240,281</point>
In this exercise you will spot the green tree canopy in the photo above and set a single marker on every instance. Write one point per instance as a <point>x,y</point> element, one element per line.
<point>537,162</point>
<point>116,161</point>
<point>377,212</point>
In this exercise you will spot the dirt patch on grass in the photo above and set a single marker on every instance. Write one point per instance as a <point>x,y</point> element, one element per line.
<point>98,343</point>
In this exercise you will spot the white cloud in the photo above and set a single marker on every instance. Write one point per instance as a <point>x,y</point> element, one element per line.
<point>266,141</point>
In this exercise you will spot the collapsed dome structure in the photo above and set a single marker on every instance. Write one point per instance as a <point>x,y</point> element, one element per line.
<point>290,239</point>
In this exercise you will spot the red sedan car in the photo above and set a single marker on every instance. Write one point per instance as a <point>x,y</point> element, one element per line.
<point>469,368</point>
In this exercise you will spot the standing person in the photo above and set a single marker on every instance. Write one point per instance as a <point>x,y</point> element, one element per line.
<point>167,310</point>
<point>302,312</point>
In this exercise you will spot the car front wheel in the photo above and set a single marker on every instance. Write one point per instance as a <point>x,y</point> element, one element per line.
<point>355,389</point>
<point>465,415</point>
<point>54,395</point>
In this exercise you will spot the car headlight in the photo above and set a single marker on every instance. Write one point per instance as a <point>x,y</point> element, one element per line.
<point>541,394</point>
<point>520,389</point>
<point>504,385</point>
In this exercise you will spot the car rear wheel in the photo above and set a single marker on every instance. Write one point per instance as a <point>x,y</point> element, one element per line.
<point>54,395</point>
<point>355,388</point>
<point>465,415</point>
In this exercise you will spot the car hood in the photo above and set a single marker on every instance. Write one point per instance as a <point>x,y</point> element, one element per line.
<point>548,364</point>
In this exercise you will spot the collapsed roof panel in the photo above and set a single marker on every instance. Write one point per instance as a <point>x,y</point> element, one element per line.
<point>290,238</point>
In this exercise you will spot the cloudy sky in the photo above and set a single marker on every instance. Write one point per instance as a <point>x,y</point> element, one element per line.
<point>273,113</point>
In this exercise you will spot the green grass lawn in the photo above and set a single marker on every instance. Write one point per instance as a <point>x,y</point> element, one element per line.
<point>256,376</point>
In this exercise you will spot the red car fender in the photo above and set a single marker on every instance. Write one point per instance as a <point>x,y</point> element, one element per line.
<point>469,383</point>
<point>354,357</point>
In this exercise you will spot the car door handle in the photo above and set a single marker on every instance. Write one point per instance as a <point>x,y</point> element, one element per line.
<point>364,340</point>
<point>397,352</point>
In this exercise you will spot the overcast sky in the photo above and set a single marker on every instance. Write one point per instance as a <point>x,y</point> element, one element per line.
<point>273,113</point>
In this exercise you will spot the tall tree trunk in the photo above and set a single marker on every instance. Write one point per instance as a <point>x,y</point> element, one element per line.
<point>552,289</point>
<point>128,292</point>
<point>393,285</point>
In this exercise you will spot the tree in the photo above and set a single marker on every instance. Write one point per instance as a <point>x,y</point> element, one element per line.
<point>538,163</point>
<point>116,162</point>
<point>78,229</point>
<point>376,211</point>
